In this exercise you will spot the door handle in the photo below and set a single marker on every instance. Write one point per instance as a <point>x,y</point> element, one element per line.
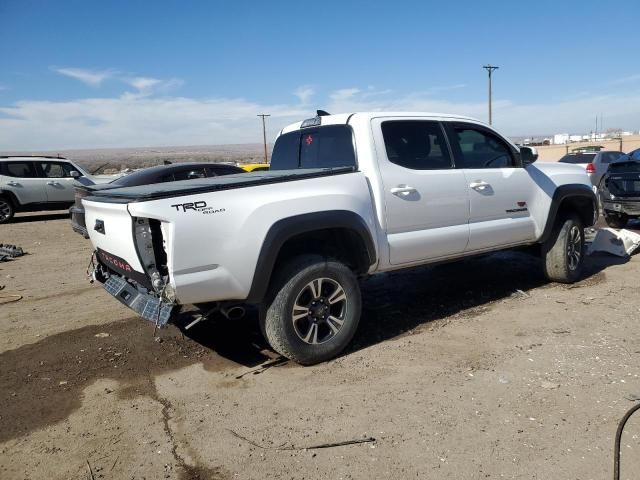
<point>13,184</point>
<point>53,184</point>
<point>403,190</point>
<point>479,185</point>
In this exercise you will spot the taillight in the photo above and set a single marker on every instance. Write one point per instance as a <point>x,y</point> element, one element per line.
<point>591,168</point>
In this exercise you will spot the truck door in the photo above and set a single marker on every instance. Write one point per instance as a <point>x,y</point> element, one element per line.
<point>500,189</point>
<point>426,198</point>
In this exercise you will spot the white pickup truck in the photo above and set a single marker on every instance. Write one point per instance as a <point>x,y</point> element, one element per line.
<point>347,196</point>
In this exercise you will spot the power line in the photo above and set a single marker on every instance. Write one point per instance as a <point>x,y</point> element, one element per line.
<point>490,69</point>
<point>264,135</point>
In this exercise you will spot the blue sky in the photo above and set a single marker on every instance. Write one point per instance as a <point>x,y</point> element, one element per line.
<point>81,74</point>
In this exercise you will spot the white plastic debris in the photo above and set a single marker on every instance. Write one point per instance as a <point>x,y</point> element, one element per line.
<point>616,242</point>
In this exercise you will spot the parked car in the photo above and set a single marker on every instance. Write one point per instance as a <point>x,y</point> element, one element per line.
<point>346,196</point>
<point>30,183</point>
<point>255,167</point>
<point>620,190</point>
<point>595,163</point>
<point>159,174</point>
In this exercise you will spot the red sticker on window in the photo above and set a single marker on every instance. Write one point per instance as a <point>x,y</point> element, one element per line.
<point>308,140</point>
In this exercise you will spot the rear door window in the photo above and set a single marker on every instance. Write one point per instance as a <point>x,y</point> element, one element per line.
<point>608,157</point>
<point>322,147</point>
<point>418,145</point>
<point>576,158</point>
<point>20,169</point>
<point>56,169</point>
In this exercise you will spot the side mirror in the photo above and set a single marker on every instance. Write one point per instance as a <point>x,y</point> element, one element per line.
<point>528,155</point>
<point>75,174</point>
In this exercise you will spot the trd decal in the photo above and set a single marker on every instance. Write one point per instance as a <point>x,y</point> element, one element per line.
<point>198,206</point>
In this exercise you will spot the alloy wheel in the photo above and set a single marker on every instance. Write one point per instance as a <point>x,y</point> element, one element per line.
<point>574,248</point>
<point>319,311</point>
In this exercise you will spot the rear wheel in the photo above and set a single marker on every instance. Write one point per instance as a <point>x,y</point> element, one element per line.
<point>6,210</point>
<point>615,220</point>
<point>314,311</point>
<point>563,253</point>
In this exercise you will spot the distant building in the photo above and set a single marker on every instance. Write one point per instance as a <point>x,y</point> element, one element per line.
<point>560,138</point>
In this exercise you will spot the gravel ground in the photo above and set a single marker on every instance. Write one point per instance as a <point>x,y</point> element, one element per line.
<point>479,369</point>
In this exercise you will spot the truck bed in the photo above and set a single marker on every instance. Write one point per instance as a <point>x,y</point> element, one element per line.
<point>187,187</point>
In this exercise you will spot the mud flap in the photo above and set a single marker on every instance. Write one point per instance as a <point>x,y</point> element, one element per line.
<point>145,305</point>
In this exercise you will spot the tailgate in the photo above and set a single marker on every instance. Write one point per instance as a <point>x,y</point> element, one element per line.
<point>110,229</point>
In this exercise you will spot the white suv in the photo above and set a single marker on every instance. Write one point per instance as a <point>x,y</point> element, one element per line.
<point>36,183</point>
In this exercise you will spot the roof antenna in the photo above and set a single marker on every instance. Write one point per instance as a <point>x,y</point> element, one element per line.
<point>322,113</point>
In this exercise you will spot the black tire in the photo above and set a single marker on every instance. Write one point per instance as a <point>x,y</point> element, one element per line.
<point>7,210</point>
<point>615,220</point>
<point>296,285</point>
<point>563,253</point>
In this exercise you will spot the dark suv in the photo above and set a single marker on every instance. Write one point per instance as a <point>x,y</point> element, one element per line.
<point>620,190</point>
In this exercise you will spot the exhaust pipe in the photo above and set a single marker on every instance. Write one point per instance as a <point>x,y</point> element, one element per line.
<point>233,313</point>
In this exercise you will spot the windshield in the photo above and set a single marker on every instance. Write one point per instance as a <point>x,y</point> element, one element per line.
<point>578,158</point>
<point>633,155</point>
<point>141,177</point>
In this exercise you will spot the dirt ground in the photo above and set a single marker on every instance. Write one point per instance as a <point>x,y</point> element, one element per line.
<point>474,370</point>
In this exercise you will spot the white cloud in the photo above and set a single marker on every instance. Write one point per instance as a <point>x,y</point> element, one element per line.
<point>146,119</point>
<point>343,94</point>
<point>304,93</point>
<point>146,86</point>
<point>89,77</point>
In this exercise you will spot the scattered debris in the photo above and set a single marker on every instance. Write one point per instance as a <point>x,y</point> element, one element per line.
<point>8,298</point>
<point>9,252</point>
<point>90,471</point>
<point>621,243</point>
<point>312,447</point>
<point>102,335</point>
<point>549,385</point>
<point>560,332</point>
<point>632,397</point>
<point>265,366</point>
<point>521,293</point>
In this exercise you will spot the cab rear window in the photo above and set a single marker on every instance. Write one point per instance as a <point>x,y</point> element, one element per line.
<point>322,147</point>
<point>578,158</point>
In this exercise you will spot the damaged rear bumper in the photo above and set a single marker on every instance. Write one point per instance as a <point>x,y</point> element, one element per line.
<point>631,208</point>
<point>146,303</point>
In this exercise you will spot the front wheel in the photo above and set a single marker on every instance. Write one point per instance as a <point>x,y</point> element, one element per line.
<point>563,253</point>
<point>314,311</point>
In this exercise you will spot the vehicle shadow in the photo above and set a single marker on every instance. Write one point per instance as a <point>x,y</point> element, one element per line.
<point>40,217</point>
<point>398,302</point>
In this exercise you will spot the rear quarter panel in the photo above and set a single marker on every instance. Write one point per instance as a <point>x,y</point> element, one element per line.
<point>212,252</point>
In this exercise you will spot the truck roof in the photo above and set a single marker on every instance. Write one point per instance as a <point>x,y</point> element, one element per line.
<point>343,118</point>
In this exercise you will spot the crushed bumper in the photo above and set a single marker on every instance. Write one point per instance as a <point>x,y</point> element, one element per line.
<point>626,207</point>
<point>149,306</point>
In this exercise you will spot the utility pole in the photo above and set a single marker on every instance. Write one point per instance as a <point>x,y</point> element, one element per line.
<point>264,135</point>
<point>490,69</point>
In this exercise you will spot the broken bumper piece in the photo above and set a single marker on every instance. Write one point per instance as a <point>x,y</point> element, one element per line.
<point>147,306</point>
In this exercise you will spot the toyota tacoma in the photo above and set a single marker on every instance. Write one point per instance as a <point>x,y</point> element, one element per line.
<point>346,196</point>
